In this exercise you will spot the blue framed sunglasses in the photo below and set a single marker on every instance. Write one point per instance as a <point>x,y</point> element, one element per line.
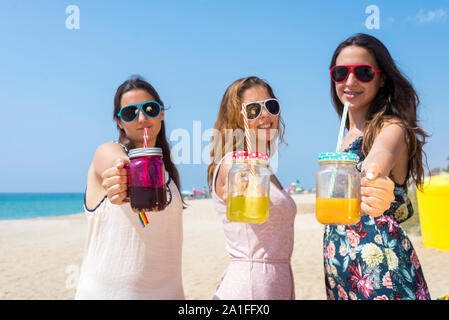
<point>130,112</point>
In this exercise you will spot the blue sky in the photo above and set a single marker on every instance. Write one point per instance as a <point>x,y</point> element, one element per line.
<point>57,84</point>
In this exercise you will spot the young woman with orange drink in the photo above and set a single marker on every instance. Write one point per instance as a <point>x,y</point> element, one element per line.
<point>374,258</point>
<point>260,245</point>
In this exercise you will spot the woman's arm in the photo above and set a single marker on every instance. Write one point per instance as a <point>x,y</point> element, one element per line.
<point>389,151</point>
<point>108,165</point>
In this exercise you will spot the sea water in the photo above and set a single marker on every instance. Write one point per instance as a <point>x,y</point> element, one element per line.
<point>33,205</point>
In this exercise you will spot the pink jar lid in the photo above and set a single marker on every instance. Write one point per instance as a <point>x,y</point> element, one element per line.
<point>245,155</point>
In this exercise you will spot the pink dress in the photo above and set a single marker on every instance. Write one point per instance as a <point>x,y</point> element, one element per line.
<point>260,253</point>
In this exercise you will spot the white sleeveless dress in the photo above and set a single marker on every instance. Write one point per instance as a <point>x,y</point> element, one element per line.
<point>123,260</point>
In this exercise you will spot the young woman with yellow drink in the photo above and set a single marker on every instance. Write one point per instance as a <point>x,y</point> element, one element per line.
<point>374,259</point>
<point>261,248</point>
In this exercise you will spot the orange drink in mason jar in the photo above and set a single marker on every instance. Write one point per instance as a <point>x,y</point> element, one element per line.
<point>338,188</point>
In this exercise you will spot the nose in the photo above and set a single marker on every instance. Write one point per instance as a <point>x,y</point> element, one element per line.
<point>141,117</point>
<point>352,80</point>
<point>263,113</point>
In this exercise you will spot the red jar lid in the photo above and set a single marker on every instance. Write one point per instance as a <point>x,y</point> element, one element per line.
<point>245,155</point>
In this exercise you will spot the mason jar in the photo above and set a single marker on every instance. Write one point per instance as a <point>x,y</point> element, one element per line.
<point>248,194</point>
<point>338,188</point>
<point>146,180</point>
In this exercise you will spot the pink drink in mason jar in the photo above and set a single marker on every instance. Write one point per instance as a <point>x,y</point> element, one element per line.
<point>146,180</point>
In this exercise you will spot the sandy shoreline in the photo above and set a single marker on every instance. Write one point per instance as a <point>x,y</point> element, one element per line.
<point>41,257</point>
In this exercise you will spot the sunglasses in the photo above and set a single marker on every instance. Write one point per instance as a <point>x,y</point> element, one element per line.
<point>130,112</point>
<point>254,109</point>
<point>363,72</point>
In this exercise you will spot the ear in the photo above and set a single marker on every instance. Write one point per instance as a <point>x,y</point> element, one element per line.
<point>162,115</point>
<point>382,81</point>
<point>120,124</point>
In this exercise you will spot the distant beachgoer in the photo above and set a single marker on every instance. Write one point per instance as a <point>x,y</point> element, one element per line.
<point>260,253</point>
<point>374,259</point>
<point>123,260</point>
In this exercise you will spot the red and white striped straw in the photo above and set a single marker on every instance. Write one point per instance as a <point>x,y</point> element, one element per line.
<point>145,137</point>
<point>247,137</point>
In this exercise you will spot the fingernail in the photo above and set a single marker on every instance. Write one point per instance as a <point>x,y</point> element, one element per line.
<point>370,175</point>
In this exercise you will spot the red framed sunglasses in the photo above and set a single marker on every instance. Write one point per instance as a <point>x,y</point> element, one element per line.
<point>363,72</point>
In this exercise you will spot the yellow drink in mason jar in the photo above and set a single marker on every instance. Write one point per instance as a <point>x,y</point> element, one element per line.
<point>247,209</point>
<point>337,210</point>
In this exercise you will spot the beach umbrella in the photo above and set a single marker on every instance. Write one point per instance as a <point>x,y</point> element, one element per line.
<point>186,193</point>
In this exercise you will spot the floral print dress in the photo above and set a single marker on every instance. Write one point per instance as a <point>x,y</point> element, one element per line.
<point>373,259</point>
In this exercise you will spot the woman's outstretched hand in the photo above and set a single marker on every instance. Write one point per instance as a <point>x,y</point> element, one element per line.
<point>376,191</point>
<point>115,182</point>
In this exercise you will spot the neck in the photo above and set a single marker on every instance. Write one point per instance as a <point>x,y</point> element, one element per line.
<point>261,142</point>
<point>261,146</point>
<point>357,119</point>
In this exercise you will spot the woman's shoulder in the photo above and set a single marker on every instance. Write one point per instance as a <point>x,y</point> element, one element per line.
<point>394,123</point>
<point>393,128</point>
<point>224,164</point>
<point>223,169</point>
<point>220,176</point>
<point>110,147</point>
<point>106,154</point>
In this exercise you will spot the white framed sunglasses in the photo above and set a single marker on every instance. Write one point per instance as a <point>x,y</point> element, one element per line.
<point>254,109</point>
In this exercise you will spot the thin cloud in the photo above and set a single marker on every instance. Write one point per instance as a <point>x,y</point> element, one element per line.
<point>431,16</point>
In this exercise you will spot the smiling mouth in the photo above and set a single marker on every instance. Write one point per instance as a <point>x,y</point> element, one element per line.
<point>264,126</point>
<point>352,94</point>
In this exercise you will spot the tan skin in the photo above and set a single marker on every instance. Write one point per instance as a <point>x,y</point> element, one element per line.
<point>388,157</point>
<point>376,193</point>
<point>265,121</point>
<point>106,175</point>
<point>114,177</point>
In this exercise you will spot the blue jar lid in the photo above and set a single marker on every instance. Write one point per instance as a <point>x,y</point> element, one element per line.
<point>141,152</point>
<point>338,156</point>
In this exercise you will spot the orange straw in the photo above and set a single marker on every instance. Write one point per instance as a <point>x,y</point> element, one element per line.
<point>247,137</point>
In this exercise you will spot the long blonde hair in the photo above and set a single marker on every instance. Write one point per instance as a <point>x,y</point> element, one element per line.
<point>229,119</point>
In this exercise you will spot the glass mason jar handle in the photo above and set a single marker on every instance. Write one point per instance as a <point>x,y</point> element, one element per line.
<point>126,167</point>
<point>167,189</point>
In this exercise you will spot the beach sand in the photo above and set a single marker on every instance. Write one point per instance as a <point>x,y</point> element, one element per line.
<point>41,257</point>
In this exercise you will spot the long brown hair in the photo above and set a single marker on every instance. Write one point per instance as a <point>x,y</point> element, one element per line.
<point>397,101</point>
<point>137,82</point>
<point>229,119</point>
